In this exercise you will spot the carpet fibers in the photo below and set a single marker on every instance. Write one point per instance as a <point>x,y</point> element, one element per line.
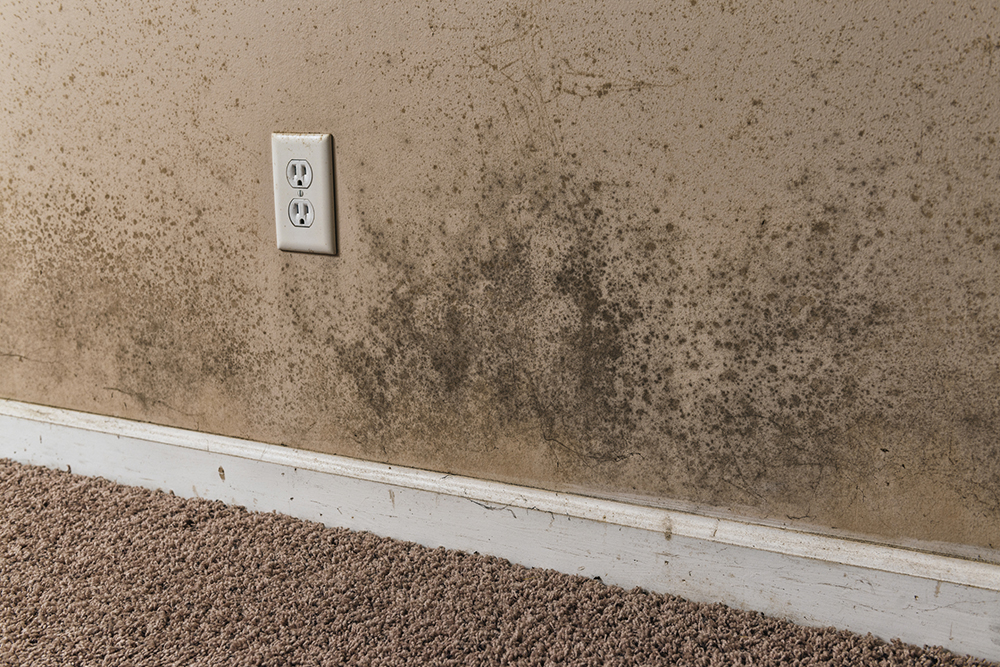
<point>94,573</point>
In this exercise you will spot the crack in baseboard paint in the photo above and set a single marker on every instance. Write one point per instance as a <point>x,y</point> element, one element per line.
<point>492,509</point>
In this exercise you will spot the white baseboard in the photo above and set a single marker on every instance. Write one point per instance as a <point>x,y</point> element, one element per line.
<point>810,579</point>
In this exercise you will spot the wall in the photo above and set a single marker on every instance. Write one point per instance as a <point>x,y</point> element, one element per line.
<point>743,256</point>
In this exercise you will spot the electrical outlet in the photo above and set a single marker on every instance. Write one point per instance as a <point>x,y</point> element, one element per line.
<point>304,201</point>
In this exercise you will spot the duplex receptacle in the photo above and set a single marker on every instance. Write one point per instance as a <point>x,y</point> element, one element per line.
<point>304,195</point>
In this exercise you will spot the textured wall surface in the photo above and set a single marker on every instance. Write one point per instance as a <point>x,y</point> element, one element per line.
<point>738,255</point>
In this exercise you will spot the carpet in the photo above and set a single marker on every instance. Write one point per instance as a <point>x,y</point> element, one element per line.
<point>95,573</point>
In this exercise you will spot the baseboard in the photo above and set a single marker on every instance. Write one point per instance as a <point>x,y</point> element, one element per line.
<point>811,579</point>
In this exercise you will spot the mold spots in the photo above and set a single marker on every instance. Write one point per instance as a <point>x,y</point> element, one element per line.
<point>744,259</point>
<point>517,322</point>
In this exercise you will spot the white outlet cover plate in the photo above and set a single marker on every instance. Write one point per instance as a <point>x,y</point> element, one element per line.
<point>320,237</point>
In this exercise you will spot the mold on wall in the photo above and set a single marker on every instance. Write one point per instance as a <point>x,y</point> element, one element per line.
<point>731,255</point>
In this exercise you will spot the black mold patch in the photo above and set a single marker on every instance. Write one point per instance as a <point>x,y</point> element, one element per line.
<point>522,322</point>
<point>760,378</point>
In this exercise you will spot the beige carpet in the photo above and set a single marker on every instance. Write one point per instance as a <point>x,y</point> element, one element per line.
<point>93,573</point>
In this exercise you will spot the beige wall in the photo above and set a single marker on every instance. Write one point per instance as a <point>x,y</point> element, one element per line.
<point>727,254</point>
